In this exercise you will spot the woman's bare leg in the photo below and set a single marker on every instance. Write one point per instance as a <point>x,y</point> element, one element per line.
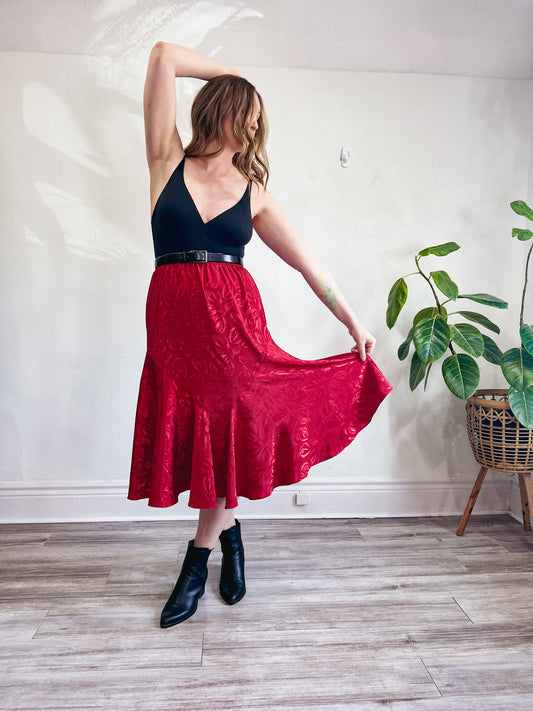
<point>211,523</point>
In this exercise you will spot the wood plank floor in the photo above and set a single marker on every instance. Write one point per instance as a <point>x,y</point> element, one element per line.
<point>340,615</point>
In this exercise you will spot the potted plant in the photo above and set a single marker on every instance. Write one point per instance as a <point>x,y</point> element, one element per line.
<point>499,421</point>
<point>433,334</point>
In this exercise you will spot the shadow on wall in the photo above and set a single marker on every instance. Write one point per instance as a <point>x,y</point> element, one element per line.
<point>133,30</point>
<point>73,239</point>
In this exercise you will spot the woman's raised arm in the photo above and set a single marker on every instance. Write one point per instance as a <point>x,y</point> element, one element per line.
<point>277,233</point>
<point>168,61</point>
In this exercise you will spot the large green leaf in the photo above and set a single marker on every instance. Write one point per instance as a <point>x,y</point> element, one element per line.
<point>517,367</point>
<point>526,334</point>
<point>431,337</point>
<point>403,348</point>
<point>479,318</point>
<point>469,338</point>
<point>523,235</point>
<point>491,353</point>
<point>443,283</point>
<point>522,208</point>
<point>522,406</point>
<point>441,250</point>
<point>461,375</point>
<point>429,313</point>
<point>486,299</point>
<point>417,371</point>
<point>397,299</point>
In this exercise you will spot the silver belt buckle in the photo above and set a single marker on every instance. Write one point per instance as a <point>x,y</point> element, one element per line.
<point>200,255</point>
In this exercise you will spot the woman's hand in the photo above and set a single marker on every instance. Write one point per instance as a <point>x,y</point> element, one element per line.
<point>364,340</point>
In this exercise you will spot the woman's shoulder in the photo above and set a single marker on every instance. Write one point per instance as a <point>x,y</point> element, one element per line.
<point>259,193</point>
<point>261,199</point>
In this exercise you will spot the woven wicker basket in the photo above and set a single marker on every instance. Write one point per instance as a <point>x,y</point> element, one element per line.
<point>497,439</point>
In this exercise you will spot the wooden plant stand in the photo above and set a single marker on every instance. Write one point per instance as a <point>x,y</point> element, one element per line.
<point>501,443</point>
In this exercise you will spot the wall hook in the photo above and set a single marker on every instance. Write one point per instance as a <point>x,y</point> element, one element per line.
<point>345,157</point>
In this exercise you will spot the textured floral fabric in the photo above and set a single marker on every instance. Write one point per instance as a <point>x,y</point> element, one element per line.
<point>222,410</point>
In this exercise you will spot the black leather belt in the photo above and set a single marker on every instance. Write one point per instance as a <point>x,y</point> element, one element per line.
<point>196,255</point>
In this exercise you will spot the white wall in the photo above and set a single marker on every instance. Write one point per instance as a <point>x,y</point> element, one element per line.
<point>434,158</point>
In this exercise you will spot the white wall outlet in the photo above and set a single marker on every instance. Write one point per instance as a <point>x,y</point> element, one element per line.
<point>301,499</point>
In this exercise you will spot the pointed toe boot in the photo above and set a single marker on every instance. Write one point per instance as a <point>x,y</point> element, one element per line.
<point>189,588</point>
<point>232,586</point>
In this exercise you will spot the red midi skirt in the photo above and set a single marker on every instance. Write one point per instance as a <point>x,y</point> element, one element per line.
<point>222,410</point>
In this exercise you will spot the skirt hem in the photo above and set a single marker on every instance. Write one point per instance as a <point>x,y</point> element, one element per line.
<point>251,497</point>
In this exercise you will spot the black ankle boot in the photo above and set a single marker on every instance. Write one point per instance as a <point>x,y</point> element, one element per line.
<point>232,586</point>
<point>189,588</point>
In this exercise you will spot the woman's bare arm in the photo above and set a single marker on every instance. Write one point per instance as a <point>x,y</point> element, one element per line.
<point>277,233</point>
<point>168,61</point>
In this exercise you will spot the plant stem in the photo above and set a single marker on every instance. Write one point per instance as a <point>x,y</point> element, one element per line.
<point>429,282</point>
<point>525,286</point>
<point>439,305</point>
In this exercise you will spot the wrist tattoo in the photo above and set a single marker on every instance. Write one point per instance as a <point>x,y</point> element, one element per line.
<point>327,294</point>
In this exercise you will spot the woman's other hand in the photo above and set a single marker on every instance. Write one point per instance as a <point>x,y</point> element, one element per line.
<point>364,340</point>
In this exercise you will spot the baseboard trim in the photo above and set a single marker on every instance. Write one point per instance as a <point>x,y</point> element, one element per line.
<point>61,502</point>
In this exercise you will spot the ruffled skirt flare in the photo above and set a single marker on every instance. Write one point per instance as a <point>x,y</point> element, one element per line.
<point>222,410</point>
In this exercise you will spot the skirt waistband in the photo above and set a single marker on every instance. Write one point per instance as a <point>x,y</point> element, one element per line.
<point>196,255</point>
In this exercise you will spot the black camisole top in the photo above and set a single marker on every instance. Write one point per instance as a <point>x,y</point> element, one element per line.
<point>178,227</point>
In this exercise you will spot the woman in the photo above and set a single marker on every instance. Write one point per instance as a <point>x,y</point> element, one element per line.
<point>223,411</point>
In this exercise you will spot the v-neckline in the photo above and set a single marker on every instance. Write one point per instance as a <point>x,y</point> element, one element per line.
<point>194,204</point>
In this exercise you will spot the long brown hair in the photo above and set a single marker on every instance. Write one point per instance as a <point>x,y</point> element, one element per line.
<point>230,95</point>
